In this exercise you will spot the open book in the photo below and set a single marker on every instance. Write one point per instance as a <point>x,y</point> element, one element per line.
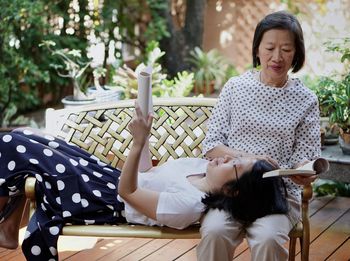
<point>317,166</point>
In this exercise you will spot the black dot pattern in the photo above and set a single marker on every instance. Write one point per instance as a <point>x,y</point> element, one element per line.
<point>280,122</point>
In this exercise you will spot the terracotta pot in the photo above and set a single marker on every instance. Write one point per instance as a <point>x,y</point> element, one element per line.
<point>345,136</point>
<point>11,128</point>
<point>344,142</point>
<point>205,90</point>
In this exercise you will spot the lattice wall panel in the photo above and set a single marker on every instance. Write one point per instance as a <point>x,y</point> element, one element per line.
<point>231,27</point>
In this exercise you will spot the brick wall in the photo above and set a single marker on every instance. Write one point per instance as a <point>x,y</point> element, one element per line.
<point>229,27</point>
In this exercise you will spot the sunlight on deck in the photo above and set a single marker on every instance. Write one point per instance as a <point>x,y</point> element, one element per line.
<point>72,243</point>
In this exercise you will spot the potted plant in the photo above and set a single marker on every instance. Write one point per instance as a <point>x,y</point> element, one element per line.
<point>341,114</point>
<point>339,102</point>
<point>10,119</point>
<point>209,70</point>
<point>104,92</point>
<point>72,65</point>
<point>324,88</point>
<point>126,78</point>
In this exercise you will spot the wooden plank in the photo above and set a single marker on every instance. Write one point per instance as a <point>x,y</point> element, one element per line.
<point>13,255</point>
<point>74,242</point>
<point>328,242</point>
<point>3,250</point>
<point>243,256</point>
<point>101,249</point>
<point>118,253</point>
<point>172,250</point>
<point>327,215</point>
<point>146,249</point>
<point>324,217</point>
<point>191,255</point>
<point>317,203</point>
<point>342,253</point>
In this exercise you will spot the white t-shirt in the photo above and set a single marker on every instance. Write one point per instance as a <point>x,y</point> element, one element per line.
<point>179,203</point>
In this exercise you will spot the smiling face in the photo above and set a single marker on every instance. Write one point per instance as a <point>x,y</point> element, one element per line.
<point>222,170</point>
<point>276,52</point>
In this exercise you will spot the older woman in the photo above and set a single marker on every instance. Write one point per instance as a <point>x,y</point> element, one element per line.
<point>264,113</point>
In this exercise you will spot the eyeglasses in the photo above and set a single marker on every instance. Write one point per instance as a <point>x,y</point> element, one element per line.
<point>235,167</point>
<point>237,181</point>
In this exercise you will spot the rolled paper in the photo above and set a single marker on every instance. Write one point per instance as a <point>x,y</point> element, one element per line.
<point>144,94</point>
<point>144,99</point>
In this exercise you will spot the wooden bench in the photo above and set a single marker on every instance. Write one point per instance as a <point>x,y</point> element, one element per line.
<point>178,130</point>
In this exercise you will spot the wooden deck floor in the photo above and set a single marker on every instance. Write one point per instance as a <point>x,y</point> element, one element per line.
<point>330,240</point>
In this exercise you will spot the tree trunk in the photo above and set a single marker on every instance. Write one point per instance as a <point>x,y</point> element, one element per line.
<point>183,39</point>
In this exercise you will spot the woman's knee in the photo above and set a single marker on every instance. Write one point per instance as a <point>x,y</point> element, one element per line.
<point>269,239</point>
<point>215,224</point>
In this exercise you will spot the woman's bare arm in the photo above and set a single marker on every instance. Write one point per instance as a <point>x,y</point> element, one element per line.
<point>144,201</point>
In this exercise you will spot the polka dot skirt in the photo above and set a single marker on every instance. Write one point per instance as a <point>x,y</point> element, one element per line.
<point>72,187</point>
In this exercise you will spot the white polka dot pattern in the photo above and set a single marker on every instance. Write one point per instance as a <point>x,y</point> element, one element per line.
<point>76,198</point>
<point>53,250</point>
<point>60,185</point>
<point>97,193</point>
<point>74,162</point>
<point>7,138</point>
<point>48,152</point>
<point>53,144</point>
<point>36,250</point>
<point>54,230</point>
<point>27,132</point>
<point>84,203</point>
<point>34,161</point>
<point>83,162</point>
<point>11,165</point>
<point>21,149</point>
<point>66,214</point>
<point>60,168</point>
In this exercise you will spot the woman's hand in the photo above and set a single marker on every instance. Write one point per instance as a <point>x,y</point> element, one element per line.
<point>267,158</point>
<point>140,126</point>
<point>303,180</point>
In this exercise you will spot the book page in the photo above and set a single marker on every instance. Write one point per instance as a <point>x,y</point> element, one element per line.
<point>144,99</point>
<point>319,165</point>
<point>288,172</point>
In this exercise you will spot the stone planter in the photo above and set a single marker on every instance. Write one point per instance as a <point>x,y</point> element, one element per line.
<point>330,136</point>
<point>108,94</point>
<point>69,102</point>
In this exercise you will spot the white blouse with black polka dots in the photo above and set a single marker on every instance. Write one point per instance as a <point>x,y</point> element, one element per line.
<point>280,122</point>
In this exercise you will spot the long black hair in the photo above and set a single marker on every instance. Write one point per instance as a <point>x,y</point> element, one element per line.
<point>251,196</point>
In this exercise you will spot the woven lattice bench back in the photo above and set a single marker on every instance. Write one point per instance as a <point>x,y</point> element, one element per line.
<point>178,129</point>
